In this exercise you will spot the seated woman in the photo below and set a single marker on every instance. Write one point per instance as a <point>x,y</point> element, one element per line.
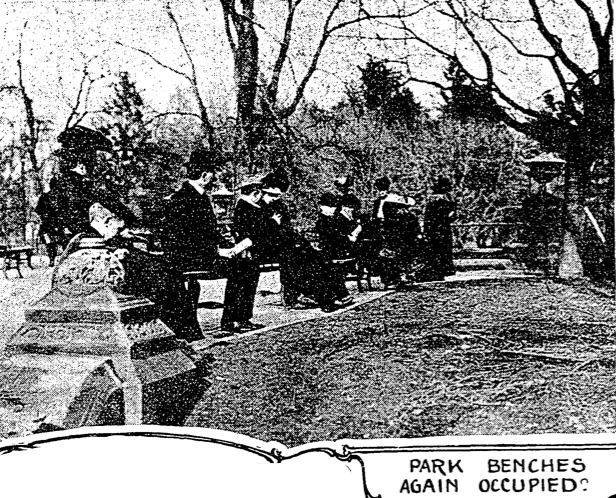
<point>147,275</point>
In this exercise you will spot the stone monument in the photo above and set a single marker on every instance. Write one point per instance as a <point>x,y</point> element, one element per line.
<point>87,354</point>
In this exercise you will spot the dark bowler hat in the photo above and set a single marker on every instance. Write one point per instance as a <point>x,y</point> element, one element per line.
<point>81,139</point>
<point>204,159</point>
<point>350,200</point>
<point>382,183</point>
<point>328,199</point>
<point>276,183</point>
<point>442,185</point>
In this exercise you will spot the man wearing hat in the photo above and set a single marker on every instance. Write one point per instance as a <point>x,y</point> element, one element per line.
<point>243,275</point>
<point>189,232</point>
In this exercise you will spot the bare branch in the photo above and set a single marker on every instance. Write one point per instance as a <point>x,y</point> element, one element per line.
<point>83,88</point>
<point>426,82</point>
<point>513,45</point>
<point>595,27</point>
<point>205,119</point>
<point>555,43</point>
<point>161,115</point>
<point>227,18</point>
<point>9,88</point>
<point>610,20</point>
<point>272,90</point>
<point>155,60</point>
<point>313,64</point>
<point>491,83</point>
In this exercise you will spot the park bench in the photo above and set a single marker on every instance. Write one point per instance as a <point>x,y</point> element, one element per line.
<point>349,265</point>
<point>13,256</point>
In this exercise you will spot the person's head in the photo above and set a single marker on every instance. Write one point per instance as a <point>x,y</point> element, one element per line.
<point>80,146</point>
<point>343,184</point>
<point>107,224</point>
<point>442,185</point>
<point>251,190</point>
<point>382,184</point>
<point>328,202</point>
<point>274,185</point>
<point>202,167</point>
<point>270,195</point>
<point>349,205</point>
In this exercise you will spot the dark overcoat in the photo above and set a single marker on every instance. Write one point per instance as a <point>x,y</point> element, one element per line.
<point>189,232</point>
<point>438,217</point>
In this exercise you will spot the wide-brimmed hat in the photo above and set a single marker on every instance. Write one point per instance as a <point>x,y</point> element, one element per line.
<point>82,139</point>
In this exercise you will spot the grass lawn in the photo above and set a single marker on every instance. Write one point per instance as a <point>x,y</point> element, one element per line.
<point>498,358</point>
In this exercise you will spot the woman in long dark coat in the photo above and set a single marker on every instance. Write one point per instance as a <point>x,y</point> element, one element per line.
<point>439,214</point>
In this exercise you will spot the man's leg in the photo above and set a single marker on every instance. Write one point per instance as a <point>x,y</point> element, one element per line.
<point>230,313</point>
<point>193,288</point>
<point>248,290</point>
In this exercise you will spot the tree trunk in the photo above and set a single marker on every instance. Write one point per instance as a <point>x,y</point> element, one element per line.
<point>246,73</point>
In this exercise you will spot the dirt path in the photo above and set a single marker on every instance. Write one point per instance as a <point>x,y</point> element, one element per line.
<point>498,358</point>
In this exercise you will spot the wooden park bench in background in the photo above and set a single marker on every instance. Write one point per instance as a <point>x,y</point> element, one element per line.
<point>14,256</point>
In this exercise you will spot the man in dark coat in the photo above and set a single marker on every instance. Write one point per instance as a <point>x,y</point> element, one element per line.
<point>49,231</point>
<point>542,214</point>
<point>189,231</point>
<point>243,274</point>
<point>439,213</point>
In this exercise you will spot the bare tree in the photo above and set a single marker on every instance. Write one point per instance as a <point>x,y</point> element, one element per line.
<point>258,87</point>
<point>576,118</point>
<point>189,76</point>
<point>79,108</point>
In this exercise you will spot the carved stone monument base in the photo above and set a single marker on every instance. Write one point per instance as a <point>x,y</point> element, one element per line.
<point>89,355</point>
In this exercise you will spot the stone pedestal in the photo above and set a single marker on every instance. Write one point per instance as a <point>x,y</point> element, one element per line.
<point>89,355</point>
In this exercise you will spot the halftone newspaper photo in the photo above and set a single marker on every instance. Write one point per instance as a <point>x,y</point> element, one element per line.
<point>356,248</point>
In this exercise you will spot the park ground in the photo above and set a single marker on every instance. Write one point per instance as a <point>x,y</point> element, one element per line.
<point>462,358</point>
<point>510,357</point>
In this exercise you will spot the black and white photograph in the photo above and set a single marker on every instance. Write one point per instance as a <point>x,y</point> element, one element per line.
<point>367,240</point>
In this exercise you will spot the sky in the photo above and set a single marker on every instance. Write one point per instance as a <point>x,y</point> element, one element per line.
<point>61,35</point>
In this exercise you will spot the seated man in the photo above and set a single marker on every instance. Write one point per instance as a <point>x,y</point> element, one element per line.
<point>148,275</point>
<point>303,269</point>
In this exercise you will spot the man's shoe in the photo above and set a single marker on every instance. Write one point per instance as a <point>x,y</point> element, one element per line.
<point>248,326</point>
<point>304,303</point>
<point>227,329</point>
<point>329,308</point>
<point>345,301</point>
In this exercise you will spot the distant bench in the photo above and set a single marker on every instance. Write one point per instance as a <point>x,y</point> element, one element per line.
<point>12,257</point>
<point>348,265</point>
